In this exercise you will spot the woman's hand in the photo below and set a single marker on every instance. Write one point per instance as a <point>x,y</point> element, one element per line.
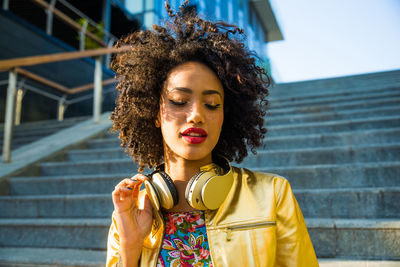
<point>133,224</point>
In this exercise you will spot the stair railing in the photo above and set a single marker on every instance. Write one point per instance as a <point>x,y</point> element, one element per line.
<point>51,11</point>
<point>13,66</point>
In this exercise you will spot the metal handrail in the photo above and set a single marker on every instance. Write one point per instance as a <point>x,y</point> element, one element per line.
<point>8,64</point>
<point>80,14</point>
<point>56,97</point>
<point>57,86</point>
<point>13,66</point>
<point>52,10</point>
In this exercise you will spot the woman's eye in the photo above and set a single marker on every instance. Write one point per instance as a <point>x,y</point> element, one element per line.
<point>213,106</point>
<point>177,103</point>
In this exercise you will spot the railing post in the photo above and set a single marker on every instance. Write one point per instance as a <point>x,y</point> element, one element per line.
<point>8,121</point>
<point>49,20</point>
<point>6,4</point>
<point>108,56</point>
<point>98,88</point>
<point>18,108</point>
<point>61,108</point>
<point>82,35</point>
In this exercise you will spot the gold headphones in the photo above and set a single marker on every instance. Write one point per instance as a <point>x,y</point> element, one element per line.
<point>206,190</point>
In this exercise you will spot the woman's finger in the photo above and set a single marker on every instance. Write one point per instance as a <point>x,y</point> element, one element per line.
<point>128,182</point>
<point>139,177</point>
<point>124,192</point>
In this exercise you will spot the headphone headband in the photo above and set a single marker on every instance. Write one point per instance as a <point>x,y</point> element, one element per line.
<point>205,190</point>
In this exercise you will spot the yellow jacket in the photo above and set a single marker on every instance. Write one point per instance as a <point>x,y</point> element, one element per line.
<point>259,224</point>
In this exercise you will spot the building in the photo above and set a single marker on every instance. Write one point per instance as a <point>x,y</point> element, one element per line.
<point>256,17</point>
<point>31,28</point>
<point>34,28</point>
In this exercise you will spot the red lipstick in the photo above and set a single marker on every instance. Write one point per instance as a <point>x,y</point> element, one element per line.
<point>194,135</point>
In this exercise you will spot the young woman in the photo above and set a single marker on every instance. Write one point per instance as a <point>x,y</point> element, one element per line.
<point>191,99</point>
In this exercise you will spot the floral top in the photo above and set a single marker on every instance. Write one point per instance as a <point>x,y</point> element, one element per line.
<point>185,240</point>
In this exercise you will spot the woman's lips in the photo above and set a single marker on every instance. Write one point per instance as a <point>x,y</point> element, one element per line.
<point>194,135</point>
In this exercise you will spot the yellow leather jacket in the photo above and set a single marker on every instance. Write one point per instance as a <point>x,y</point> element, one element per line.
<point>259,224</point>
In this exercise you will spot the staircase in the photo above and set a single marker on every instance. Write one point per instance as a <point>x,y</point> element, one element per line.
<point>29,132</point>
<point>338,143</point>
<point>336,140</point>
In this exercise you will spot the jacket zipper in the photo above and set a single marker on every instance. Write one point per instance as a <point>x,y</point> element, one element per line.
<point>228,230</point>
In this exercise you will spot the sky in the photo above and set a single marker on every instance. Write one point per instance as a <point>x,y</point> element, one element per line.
<point>330,38</point>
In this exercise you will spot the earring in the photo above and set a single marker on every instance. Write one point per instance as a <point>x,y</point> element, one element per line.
<point>157,123</point>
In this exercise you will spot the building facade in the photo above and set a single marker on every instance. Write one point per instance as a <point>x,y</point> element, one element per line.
<point>254,16</point>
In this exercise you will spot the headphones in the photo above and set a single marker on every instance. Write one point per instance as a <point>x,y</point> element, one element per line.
<point>206,190</point>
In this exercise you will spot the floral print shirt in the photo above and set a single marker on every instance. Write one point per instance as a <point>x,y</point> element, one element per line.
<point>185,240</point>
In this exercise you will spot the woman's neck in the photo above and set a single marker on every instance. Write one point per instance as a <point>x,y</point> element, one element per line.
<point>181,170</point>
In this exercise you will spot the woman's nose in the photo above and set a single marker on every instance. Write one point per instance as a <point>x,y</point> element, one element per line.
<point>196,114</point>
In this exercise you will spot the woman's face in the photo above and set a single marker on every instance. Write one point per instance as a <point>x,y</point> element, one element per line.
<point>191,112</point>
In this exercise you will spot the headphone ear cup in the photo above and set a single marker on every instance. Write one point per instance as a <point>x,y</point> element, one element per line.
<point>165,188</point>
<point>193,190</point>
<point>152,194</point>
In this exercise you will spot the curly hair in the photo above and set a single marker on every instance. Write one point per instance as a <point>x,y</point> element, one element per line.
<point>143,69</point>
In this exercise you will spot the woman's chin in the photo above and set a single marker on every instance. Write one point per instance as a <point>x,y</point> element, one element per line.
<point>194,154</point>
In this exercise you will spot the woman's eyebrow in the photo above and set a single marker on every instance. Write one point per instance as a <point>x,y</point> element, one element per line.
<point>182,89</point>
<point>211,92</point>
<point>190,91</point>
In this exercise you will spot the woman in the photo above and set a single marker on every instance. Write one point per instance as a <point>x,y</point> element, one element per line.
<point>191,97</point>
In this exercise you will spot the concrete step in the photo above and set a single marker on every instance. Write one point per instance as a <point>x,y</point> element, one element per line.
<point>110,142</point>
<point>18,142</point>
<point>323,203</point>
<point>371,174</point>
<point>324,86</point>
<point>324,155</point>
<point>83,233</point>
<point>24,126</point>
<point>333,115</point>
<point>357,263</point>
<point>279,96</point>
<point>111,135</point>
<point>346,238</point>
<point>47,257</point>
<point>349,203</point>
<point>281,157</point>
<point>320,176</point>
<point>352,82</point>
<point>366,239</point>
<point>37,132</point>
<point>335,107</point>
<point>362,137</point>
<point>280,93</point>
<point>96,154</point>
<point>65,185</point>
<point>127,166</point>
<point>57,206</point>
<point>375,136</point>
<point>47,125</point>
<point>335,126</point>
<point>23,135</point>
<point>325,100</point>
<point>109,166</point>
